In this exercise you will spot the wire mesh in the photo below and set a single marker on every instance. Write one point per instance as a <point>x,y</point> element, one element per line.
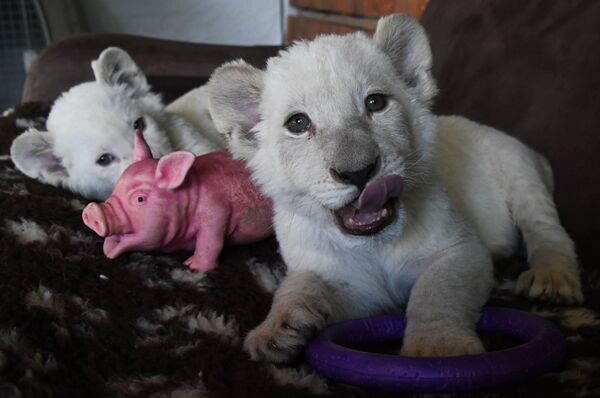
<point>21,38</point>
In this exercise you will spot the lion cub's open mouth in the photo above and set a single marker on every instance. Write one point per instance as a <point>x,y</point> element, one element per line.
<point>374,209</point>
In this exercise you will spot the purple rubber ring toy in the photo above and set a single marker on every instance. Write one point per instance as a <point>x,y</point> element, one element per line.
<point>542,351</point>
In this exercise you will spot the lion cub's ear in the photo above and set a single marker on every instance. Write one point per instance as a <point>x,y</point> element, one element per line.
<point>114,67</point>
<point>234,92</point>
<point>405,41</point>
<point>33,154</point>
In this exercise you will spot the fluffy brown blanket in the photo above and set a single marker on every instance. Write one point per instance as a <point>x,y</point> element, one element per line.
<point>75,324</point>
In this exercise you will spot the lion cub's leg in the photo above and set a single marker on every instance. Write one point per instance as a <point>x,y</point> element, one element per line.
<point>301,306</point>
<point>554,274</point>
<point>444,307</point>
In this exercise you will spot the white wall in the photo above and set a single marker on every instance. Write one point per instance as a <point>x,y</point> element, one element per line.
<point>242,22</point>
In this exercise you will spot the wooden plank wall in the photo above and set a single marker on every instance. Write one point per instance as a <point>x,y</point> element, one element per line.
<point>343,16</point>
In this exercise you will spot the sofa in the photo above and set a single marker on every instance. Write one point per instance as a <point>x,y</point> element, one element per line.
<point>73,323</point>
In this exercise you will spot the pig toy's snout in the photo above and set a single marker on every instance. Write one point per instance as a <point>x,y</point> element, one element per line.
<point>94,218</point>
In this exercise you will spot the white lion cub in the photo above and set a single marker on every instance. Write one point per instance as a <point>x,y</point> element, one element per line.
<point>89,141</point>
<point>370,214</point>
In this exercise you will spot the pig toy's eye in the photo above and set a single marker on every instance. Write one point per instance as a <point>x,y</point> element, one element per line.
<point>105,159</point>
<point>138,198</point>
<point>139,124</point>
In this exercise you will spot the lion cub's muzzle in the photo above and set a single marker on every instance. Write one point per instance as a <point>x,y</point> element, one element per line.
<point>375,207</point>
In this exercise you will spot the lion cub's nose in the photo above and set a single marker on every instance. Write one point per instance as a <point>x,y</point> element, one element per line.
<point>359,178</point>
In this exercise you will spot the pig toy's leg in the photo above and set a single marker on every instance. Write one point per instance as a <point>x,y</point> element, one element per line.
<point>209,243</point>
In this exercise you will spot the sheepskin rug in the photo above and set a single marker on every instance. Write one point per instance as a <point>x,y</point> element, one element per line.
<point>75,324</point>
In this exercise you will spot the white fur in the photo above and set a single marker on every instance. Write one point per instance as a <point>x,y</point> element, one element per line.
<point>502,187</point>
<point>97,117</point>
<point>468,188</point>
<point>193,107</point>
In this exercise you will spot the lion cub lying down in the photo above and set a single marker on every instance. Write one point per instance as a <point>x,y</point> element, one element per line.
<point>370,214</point>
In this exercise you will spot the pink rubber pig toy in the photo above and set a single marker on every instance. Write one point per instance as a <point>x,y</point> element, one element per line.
<point>181,202</point>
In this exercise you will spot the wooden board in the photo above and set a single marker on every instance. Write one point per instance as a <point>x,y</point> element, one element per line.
<point>314,17</point>
<point>372,8</point>
<point>303,26</point>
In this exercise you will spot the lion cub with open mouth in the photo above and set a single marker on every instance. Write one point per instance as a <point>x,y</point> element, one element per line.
<point>370,214</point>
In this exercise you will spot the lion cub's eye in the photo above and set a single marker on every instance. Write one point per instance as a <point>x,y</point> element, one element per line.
<point>298,123</point>
<point>105,159</point>
<point>375,102</point>
<point>139,124</point>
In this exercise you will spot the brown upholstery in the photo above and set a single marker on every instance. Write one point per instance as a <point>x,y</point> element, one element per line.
<point>172,67</point>
<point>531,68</point>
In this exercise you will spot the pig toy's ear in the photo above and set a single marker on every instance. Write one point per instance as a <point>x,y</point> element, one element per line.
<point>172,169</point>
<point>141,150</point>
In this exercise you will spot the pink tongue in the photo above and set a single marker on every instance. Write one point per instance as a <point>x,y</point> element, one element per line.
<point>378,192</point>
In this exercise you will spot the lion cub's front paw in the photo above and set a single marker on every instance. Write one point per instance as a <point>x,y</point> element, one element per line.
<point>440,343</point>
<point>274,344</point>
<point>281,337</point>
<point>554,284</point>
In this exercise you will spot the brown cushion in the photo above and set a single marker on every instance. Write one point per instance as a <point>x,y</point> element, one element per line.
<point>531,68</point>
<point>172,67</point>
